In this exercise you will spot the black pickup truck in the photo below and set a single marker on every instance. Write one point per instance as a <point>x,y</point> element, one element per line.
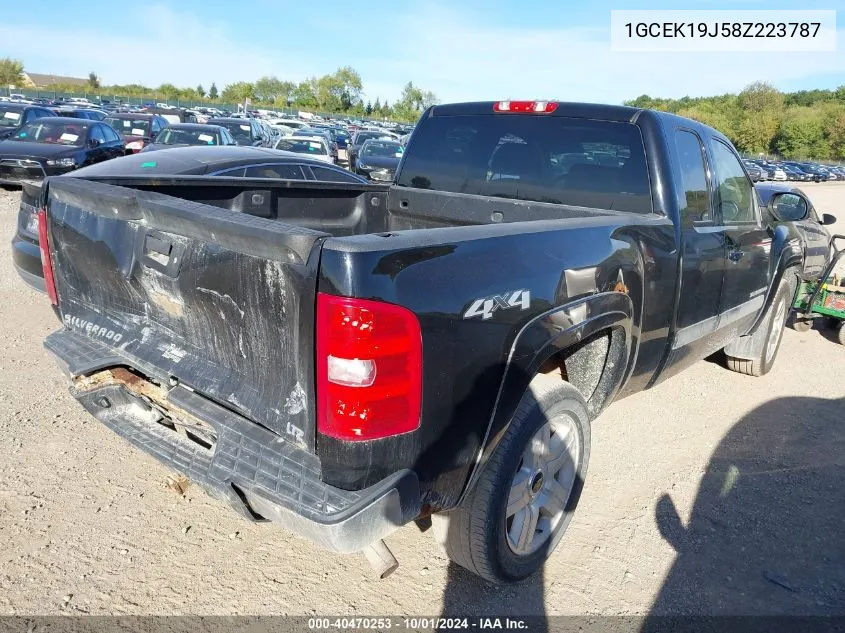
<point>345,359</point>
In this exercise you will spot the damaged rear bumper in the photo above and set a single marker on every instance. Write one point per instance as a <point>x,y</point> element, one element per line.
<point>254,470</point>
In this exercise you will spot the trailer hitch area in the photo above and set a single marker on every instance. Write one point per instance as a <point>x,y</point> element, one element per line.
<point>173,417</point>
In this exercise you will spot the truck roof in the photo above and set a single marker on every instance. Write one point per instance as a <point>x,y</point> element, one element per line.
<point>564,109</point>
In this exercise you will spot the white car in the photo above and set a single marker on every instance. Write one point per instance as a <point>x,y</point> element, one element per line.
<point>291,123</point>
<point>315,147</point>
<point>779,174</point>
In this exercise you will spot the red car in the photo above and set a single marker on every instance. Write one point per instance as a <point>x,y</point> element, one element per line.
<point>137,130</point>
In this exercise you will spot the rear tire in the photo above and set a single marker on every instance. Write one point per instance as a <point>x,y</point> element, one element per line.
<point>773,325</point>
<point>840,335</point>
<point>514,517</point>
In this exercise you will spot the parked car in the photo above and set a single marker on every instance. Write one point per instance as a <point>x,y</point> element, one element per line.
<point>338,136</point>
<point>357,141</point>
<point>231,161</point>
<point>348,360</point>
<point>378,159</point>
<point>173,115</point>
<point>754,170</point>
<point>13,116</point>
<point>813,171</point>
<point>316,147</point>
<point>838,170</point>
<point>81,113</point>
<point>55,145</point>
<point>311,132</point>
<point>182,134</point>
<point>291,123</point>
<point>793,173</point>
<point>137,129</point>
<point>246,132</point>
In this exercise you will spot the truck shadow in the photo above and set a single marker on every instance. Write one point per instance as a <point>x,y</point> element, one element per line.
<point>467,595</point>
<point>765,533</point>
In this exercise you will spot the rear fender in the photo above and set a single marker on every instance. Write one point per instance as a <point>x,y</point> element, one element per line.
<point>548,334</point>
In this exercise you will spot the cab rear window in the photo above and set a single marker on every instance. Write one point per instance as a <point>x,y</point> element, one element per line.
<point>578,162</point>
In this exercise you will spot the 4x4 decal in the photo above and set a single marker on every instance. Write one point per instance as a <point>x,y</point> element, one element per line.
<point>487,306</point>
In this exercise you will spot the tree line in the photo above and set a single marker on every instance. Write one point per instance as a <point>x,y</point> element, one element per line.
<point>341,92</point>
<point>808,124</point>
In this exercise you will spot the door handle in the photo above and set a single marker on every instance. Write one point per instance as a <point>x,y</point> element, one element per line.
<point>736,255</point>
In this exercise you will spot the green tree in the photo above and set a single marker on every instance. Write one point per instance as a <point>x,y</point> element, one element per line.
<point>168,91</point>
<point>834,129</point>
<point>93,81</point>
<point>212,92</point>
<point>429,99</point>
<point>200,91</point>
<point>761,106</point>
<point>11,72</point>
<point>761,97</point>
<point>412,102</point>
<point>238,91</point>
<point>802,133</point>
<point>304,95</point>
<point>377,107</point>
<point>273,90</point>
<point>368,110</point>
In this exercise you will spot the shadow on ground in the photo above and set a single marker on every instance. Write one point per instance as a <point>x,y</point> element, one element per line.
<point>767,530</point>
<point>468,595</point>
<point>766,535</point>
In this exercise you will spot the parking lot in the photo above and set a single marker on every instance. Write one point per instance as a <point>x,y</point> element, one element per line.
<point>711,493</point>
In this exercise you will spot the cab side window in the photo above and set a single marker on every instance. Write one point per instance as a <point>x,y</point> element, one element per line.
<point>695,205</point>
<point>735,193</point>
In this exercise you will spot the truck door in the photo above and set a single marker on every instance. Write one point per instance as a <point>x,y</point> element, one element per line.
<point>703,243</point>
<point>748,244</point>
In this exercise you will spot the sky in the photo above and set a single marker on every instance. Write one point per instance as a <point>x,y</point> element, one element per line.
<point>462,50</point>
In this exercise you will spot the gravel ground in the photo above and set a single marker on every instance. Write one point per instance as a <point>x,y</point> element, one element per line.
<point>711,493</point>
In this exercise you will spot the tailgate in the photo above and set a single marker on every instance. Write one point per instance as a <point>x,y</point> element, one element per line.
<point>216,300</point>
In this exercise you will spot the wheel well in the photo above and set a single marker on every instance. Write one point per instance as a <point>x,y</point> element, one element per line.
<point>591,366</point>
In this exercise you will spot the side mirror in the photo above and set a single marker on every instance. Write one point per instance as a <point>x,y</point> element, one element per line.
<point>828,219</point>
<point>788,207</point>
<point>381,175</point>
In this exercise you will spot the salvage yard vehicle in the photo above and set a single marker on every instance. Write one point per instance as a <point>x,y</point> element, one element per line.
<point>184,134</point>
<point>13,116</point>
<point>49,146</point>
<point>137,129</point>
<point>378,159</point>
<point>344,359</point>
<point>246,132</point>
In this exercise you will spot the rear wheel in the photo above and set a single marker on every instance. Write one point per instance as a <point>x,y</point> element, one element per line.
<point>773,326</point>
<point>516,514</point>
<point>840,335</point>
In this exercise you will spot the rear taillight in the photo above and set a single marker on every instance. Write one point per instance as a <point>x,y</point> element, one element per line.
<point>541,107</point>
<point>369,368</point>
<point>46,262</point>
